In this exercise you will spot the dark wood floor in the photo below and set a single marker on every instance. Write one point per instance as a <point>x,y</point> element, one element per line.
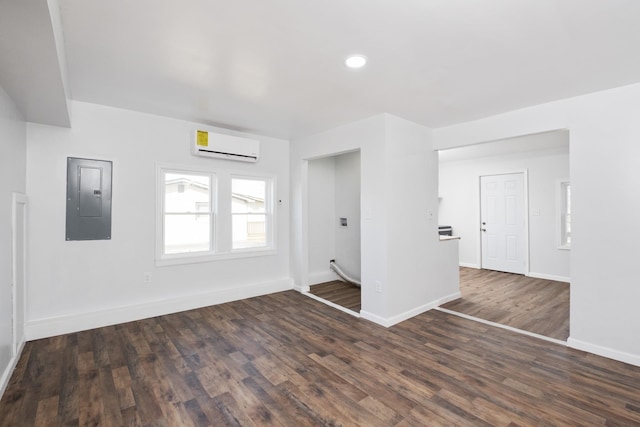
<point>338,292</point>
<point>534,305</point>
<point>286,359</point>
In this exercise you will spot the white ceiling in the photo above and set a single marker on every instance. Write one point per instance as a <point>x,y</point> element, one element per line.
<point>276,67</point>
<point>554,141</point>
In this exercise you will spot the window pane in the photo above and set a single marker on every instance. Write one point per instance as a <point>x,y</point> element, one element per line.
<point>186,233</point>
<point>249,231</point>
<point>186,192</point>
<point>248,195</point>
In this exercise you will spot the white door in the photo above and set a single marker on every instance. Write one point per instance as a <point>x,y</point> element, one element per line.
<point>19,256</point>
<point>502,224</point>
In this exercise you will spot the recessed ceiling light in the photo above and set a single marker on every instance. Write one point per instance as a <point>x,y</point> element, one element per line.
<point>355,61</point>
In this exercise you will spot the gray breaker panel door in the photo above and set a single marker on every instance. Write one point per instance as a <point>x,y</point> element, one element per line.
<point>88,199</point>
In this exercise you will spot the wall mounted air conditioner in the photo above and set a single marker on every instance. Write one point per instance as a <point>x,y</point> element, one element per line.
<point>221,146</point>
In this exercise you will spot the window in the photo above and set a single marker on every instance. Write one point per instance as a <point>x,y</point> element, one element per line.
<point>205,215</point>
<point>565,215</point>
<point>187,215</point>
<point>251,212</point>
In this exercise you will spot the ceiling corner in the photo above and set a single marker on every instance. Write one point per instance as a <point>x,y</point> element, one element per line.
<point>32,60</point>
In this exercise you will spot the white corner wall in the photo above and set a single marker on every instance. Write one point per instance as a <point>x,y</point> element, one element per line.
<point>460,200</point>
<point>414,283</point>
<point>13,169</point>
<point>604,132</point>
<point>85,284</point>
<point>399,244</point>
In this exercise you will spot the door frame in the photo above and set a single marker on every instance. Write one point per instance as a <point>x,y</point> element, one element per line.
<point>525,176</point>
<point>18,294</point>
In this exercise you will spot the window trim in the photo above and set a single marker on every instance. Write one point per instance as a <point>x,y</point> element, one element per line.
<point>221,178</point>
<point>178,258</point>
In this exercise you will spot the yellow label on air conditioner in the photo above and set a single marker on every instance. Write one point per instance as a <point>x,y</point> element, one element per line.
<point>202,138</point>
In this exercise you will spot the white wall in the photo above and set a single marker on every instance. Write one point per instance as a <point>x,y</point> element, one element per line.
<point>605,154</point>
<point>347,205</point>
<point>411,192</point>
<point>83,284</point>
<point>459,206</point>
<point>322,236</point>
<point>398,186</point>
<point>12,179</point>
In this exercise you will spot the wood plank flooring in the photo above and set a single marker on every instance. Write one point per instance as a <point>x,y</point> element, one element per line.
<point>534,305</point>
<point>339,292</point>
<point>286,359</point>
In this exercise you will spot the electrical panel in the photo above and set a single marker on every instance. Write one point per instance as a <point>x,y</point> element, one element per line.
<point>88,199</point>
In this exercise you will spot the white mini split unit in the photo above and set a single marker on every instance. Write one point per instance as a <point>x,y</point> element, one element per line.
<point>221,146</point>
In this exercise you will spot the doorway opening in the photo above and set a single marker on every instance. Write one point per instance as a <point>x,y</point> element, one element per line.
<point>503,199</point>
<point>334,230</point>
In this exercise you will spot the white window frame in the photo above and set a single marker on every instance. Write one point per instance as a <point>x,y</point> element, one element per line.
<point>221,239</point>
<point>269,205</point>
<point>163,258</point>
<point>562,214</point>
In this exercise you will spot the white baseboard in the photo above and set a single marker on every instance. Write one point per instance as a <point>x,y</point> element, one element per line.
<point>549,277</point>
<point>449,298</point>
<point>322,277</point>
<point>374,318</point>
<point>620,356</point>
<point>469,265</point>
<point>300,288</point>
<point>6,375</point>
<point>393,320</point>
<point>48,327</point>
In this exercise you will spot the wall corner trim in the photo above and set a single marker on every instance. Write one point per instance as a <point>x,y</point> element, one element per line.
<point>620,356</point>
<point>52,326</point>
<point>300,288</point>
<point>390,321</point>
<point>6,375</point>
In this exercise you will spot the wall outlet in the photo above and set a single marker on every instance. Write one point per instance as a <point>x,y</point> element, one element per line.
<point>378,286</point>
<point>147,277</point>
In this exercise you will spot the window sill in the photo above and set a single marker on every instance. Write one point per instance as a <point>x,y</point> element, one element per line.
<point>564,248</point>
<point>194,259</point>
